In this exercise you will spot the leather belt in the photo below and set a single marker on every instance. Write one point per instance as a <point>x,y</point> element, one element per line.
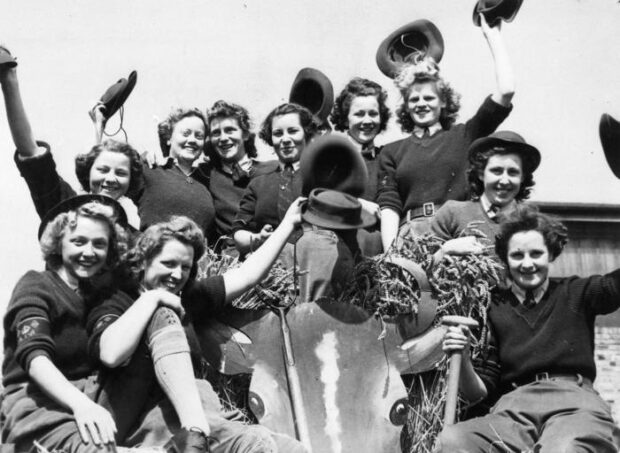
<point>426,210</point>
<point>539,377</point>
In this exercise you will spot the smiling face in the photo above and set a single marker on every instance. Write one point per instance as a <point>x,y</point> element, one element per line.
<point>528,259</point>
<point>110,174</point>
<point>424,104</point>
<point>84,249</point>
<point>364,120</point>
<point>187,140</point>
<point>502,178</point>
<point>170,268</point>
<point>227,138</point>
<point>288,137</point>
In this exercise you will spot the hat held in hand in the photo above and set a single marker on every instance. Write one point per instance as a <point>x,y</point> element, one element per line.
<point>335,210</point>
<point>313,90</point>
<point>494,11</point>
<point>609,131</point>
<point>115,96</point>
<point>6,59</point>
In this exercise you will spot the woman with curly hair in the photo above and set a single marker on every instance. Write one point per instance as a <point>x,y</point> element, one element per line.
<point>421,172</point>
<point>51,390</point>
<point>164,261</point>
<point>288,129</point>
<point>110,168</point>
<point>501,175</point>
<point>232,153</point>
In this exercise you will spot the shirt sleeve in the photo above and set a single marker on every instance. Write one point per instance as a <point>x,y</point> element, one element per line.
<point>442,224</point>
<point>388,196</point>
<point>47,188</point>
<point>244,220</point>
<point>602,293</point>
<point>101,316</point>
<point>204,298</point>
<point>486,120</point>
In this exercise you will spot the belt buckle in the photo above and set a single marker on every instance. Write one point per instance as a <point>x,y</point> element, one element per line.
<point>542,377</point>
<point>428,209</point>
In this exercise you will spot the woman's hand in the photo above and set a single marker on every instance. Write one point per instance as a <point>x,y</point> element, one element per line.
<point>293,213</point>
<point>162,298</point>
<point>457,339</point>
<point>370,207</point>
<point>94,422</point>
<point>98,119</point>
<point>463,246</point>
<point>487,30</point>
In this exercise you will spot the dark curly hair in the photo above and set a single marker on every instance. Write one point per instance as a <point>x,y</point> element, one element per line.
<point>420,71</point>
<point>222,109</point>
<point>528,218</point>
<point>355,88</point>
<point>478,162</point>
<point>306,119</point>
<point>165,128</point>
<point>84,163</point>
<point>51,239</point>
<point>152,240</point>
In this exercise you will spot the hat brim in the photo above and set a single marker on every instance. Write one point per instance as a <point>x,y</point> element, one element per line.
<point>609,132</point>
<point>424,31</point>
<point>366,220</point>
<point>75,202</point>
<point>504,10</point>
<point>313,89</point>
<point>533,157</point>
<point>115,96</point>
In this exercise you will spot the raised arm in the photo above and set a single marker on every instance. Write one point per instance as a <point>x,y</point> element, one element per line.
<point>16,114</point>
<point>98,119</point>
<point>504,76</point>
<point>252,271</point>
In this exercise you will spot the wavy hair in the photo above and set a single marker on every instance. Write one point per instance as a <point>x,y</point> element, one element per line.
<point>421,71</point>
<point>528,218</point>
<point>84,163</point>
<point>355,88</point>
<point>222,109</point>
<point>478,162</point>
<point>306,119</point>
<point>165,128</point>
<point>51,239</point>
<point>152,240</point>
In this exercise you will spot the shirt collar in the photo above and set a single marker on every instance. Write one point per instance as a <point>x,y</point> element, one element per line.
<point>432,129</point>
<point>245,163</point>
<point>295,166</point>
<point>538,292</point>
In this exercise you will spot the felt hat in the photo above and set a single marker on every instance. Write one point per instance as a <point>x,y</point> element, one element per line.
<point>313,90</point>
<point>75,202</point>
<point>419,37</point>
<point>495,11</point>
<point>117,94</point>
<point>513,142</point>
<point>6,59</point>
<point>410,326</point>
<point>609,131</point>
<point>331,161</point>
<point>335,210</point>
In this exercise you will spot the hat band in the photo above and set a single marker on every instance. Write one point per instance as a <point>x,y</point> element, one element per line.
<point>347,216</point>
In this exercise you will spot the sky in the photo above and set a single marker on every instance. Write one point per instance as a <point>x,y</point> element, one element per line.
<point>565,54</point>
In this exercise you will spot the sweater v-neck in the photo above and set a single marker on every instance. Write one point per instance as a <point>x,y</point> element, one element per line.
<point>533,316</point>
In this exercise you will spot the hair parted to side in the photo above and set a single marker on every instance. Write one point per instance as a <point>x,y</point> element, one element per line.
<point>478,162</point>
<point>84,163</point>
<point>51,239</point>
<point>355,88</point>
<point>421,70</point>
<point>222,109</point>
<point>528,218</point>
<point>306,119</point>
<point>152,240</point>
<point>165,128</point>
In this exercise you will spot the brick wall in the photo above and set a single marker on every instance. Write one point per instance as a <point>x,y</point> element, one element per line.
<point>607,356</point>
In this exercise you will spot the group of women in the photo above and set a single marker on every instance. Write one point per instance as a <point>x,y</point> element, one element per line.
<point>95,350</point>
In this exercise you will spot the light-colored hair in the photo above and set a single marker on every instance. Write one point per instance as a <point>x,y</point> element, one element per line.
<point>165,128</point>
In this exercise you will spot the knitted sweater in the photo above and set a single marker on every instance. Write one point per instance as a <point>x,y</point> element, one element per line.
<point>414,171</point>
<point>556,335</point>
<point>372,165</point>
<point>46,317</point>
<point>463,218</point>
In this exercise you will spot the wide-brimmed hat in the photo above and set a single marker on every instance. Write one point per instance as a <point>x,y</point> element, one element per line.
<point>117,94</point>
<point>609,131</point>
<point>495,11</point>
<point>332,162</point>
<point>513,143</point>
<point>313,90</point>
<point>6,59</point>
<point>73,203</point>
<point>420,37</point>
<point>335,210</point>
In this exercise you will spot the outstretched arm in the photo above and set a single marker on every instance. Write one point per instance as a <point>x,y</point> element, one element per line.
<point>504,75</point>
<point>252,271</point>
<point>16,114</point>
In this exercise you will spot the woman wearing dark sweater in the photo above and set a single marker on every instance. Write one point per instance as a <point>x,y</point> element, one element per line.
<point>420,173</point>
<point>50,388</point>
